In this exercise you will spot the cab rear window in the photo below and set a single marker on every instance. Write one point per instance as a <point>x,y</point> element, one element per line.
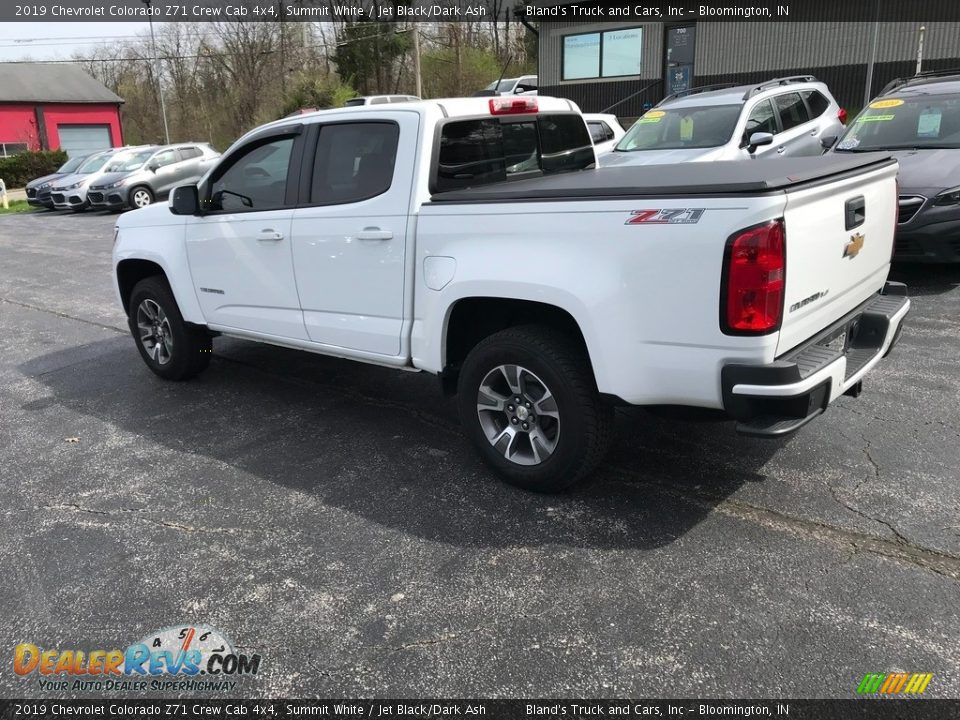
<point>481,151</point>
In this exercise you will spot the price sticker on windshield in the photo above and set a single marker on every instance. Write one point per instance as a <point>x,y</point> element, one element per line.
<point>884,104</point>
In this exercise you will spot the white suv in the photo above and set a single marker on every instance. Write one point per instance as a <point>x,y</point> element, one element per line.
<point>784,117</point>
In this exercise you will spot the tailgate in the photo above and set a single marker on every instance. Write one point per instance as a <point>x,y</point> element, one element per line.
<point>839,239</point>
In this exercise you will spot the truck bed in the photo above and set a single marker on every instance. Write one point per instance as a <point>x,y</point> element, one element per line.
<point>707,179</point>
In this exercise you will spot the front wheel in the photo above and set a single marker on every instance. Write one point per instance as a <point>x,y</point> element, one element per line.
<point>170,347</point>
<point>140,197</point>
<point>529,403</point>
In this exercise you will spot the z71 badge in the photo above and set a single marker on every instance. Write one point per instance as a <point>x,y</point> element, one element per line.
<point>666,216</point>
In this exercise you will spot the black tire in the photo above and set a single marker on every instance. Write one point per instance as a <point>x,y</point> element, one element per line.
<point>189,352</point>
<point>584,424</point>
<point>145,191</point>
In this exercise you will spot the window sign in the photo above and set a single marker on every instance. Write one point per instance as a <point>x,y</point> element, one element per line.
<point>581,56</point>
<point>613,53</point>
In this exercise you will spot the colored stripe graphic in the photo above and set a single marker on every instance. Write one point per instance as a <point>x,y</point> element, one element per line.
<point>894,683</point>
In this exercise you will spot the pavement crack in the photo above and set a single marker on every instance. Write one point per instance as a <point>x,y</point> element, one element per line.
<point>64,315</point>
<point>428,642</point>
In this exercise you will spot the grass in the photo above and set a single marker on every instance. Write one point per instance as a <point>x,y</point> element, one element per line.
<point>16,206</point>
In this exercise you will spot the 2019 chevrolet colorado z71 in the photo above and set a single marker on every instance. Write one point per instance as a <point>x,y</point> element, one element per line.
<point>473,239</point>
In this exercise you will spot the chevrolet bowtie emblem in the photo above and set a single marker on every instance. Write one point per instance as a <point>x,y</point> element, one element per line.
<point>854,246</point>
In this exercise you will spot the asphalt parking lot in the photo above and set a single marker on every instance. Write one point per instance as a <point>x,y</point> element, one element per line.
<point>330,517</point>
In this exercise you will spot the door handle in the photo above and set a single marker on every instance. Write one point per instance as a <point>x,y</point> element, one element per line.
<point>269,235</point>
<point>780,150</point>
<point>813,133</point>
<point>373,233</point>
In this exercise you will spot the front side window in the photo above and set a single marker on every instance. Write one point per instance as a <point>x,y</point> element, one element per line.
<point>762,119</point>
<point>128,162</point>
<point>93,163</point>
<point>167,157</point>
<point>791,109</point>
<point>600,131</point>
<point>677,128</point>
<point>255,181</point>
<point>354,162</point>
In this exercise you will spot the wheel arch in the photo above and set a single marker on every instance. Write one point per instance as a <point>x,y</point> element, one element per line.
<point>472,319</point>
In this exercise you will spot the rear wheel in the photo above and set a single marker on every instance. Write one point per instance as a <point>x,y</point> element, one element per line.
<point>529,403</point>
<point>140,197</point>
<point>170,347</point>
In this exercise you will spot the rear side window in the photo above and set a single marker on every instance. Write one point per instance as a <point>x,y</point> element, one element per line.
<point>600,131</point>
<point>354,162</point>
<point>816,102</point>
<point>791,109</point>
<point>484,151</point>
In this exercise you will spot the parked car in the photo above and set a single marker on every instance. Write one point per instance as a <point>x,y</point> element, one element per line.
<point>380,100</point>
<point>387,244</point>
<point>783,117</point>
<point>139,178</point>
<point>917,120</point>
<point>70,191</point>
<point>605,131</point>
<point>525,84</point>
<point>38,189</point>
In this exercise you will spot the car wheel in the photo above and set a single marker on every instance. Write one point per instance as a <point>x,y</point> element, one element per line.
<point>171,348</point>
<point>140,197</point>
<point>529,402</point>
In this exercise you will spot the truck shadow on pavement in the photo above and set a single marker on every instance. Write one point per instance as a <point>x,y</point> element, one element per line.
<point>383,445</point>
<point>926,279</point>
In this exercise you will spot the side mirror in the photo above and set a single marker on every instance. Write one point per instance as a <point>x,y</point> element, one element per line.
<point>185,200</point>
<point>828,141</point>
<point>757,139</point>
<point>153,167</point>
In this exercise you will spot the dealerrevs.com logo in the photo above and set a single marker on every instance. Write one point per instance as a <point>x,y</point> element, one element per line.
<point>185,658</point>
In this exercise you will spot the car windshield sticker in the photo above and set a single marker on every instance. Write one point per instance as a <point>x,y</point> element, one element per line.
<point>686,128</point>
<point>654,116</point>
<point>883,104</point>
<point>875,118</point>
<point>849,144</point>
<point>928,124</point>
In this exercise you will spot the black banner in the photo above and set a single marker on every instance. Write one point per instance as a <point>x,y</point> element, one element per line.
<point>539,11</point>
<point>854,709</point>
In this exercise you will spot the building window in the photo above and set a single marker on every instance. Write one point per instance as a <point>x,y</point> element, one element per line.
<point>613,53</point>
<point>11,149</point>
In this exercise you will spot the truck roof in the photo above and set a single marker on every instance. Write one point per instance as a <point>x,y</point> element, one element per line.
<point>448,107</point>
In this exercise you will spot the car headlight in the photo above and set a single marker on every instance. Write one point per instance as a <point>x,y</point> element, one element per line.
<point>117,184</point>
<point>948,197</point>
<point>74,186</point>
<point>44,186</point>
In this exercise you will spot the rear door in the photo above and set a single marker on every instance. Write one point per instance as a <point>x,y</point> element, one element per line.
<point>350,240</point>
<point>839,239</point>
<point>798,135</point>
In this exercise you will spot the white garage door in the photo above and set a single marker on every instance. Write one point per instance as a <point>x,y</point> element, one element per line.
<point>83,139</point>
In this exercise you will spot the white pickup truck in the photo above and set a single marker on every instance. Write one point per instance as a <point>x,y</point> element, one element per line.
<point>472,239</point>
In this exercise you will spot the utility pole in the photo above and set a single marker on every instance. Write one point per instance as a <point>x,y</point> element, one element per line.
<point>868,90</point>
<point>920,49</point>
<point>416,60</point>
<point>153,45</point>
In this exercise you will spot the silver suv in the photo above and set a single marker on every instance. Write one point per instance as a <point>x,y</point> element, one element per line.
<point>783,117</point>
<point>138,179</point>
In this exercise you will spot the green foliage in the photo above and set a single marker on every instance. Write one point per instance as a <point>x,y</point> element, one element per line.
<point>15,206</point>
<point>447,73</point>
<point>20,169</point>
<point>310,91</point>
<point>365,54</point>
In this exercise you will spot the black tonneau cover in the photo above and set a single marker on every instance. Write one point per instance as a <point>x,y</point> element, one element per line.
<point>744,177</point>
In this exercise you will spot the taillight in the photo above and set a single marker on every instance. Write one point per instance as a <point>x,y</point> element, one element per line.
<point>842,116</point>
<point>754,271</point>
<point>512,105</point>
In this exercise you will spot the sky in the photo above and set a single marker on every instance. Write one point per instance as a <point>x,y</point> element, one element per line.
<point>59,40</point>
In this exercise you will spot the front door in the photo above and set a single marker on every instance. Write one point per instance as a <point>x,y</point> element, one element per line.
<point>350,243</point>
<point>239,250</point>
<point>678,63</point>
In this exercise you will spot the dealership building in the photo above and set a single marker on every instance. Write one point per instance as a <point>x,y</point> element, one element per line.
<point>46,106</point>
<point>600,64</point>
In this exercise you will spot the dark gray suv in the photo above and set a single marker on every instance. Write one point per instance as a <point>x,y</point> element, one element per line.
<point>918,120</point>
<point>137,179</point>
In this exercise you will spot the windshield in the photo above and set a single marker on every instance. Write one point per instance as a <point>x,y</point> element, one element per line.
<point>924,121</point>
<point>72,164</point>
<point>93,163</point>
<point>129,162</point>
<point>680,128</point>
<point>502,86</point>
